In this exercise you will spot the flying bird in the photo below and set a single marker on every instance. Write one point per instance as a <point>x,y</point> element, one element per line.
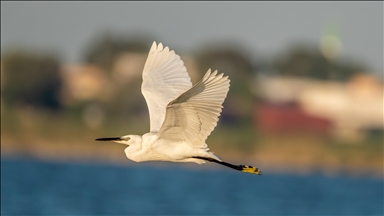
<point>182,116</point>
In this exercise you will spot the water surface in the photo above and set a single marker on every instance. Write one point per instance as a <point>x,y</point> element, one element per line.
<point>32,187</point>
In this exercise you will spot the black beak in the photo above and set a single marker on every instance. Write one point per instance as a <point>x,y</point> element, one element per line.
<point>109,139</point>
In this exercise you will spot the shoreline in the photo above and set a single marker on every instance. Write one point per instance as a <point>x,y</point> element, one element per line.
<point>268,160</point>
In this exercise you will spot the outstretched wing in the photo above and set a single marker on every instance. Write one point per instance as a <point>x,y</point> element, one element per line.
<point>192,116</point>
<point>164,79</point>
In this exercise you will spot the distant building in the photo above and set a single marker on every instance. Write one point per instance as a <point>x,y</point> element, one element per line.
<point>128,66</point>
<point>347,111</point>
<point>289,118</point>
<point>84,82</point>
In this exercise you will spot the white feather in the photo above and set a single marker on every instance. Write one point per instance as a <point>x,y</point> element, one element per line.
<point>164,78</point>
<point>193,115</point>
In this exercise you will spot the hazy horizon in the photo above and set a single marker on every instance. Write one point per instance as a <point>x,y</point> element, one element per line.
<point>265,28</point>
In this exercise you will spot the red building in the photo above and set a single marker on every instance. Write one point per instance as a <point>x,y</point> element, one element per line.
<point>289,118</point>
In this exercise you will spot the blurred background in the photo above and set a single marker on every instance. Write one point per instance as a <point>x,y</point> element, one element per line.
<point>305,105</point>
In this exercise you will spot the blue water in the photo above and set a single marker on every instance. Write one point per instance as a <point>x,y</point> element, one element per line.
<point>31,187</point>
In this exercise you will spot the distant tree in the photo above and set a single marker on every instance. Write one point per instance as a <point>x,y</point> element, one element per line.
<point>104,49</point>
<point>234,61</point>
<point>31,78</point>
<point>307,62</point>
<point>230,58</point>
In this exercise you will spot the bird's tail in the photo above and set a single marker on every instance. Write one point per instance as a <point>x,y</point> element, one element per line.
<point>243,168</point>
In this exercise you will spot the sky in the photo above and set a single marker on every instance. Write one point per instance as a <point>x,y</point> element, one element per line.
<point>265,28</point>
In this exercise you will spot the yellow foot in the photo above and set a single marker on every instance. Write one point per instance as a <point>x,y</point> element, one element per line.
<point>250,169</point>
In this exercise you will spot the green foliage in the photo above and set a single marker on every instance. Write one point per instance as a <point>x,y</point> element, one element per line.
<point>229,58</point>
<point>234,61</point>
<point>103,50</point>
<point>306,62</point>
<point>31,78</point>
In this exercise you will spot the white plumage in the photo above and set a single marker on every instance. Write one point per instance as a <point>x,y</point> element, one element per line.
<point>182,116</point>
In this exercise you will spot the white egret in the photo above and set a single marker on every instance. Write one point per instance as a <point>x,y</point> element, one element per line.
<point>182,116</point>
